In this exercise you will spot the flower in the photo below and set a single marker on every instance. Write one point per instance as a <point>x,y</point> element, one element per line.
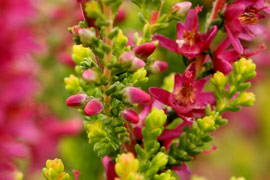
<point>187,98</point>
<point>190,42</point>
<point>223,57</point>
<point>242,22</point>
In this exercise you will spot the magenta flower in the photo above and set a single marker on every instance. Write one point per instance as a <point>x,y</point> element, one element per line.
<point>187,98</point>
<point>108,165</point>
<point>190,42</point>
<point>242,22</point>
<point>223,57</point>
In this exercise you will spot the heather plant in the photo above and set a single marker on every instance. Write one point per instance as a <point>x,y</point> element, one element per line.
<point>153,135</point>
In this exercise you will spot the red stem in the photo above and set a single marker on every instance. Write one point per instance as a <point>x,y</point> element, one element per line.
<point>218,5</point>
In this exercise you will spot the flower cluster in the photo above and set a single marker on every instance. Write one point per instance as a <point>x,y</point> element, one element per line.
<point>28,130</point>
<point>144,135</point>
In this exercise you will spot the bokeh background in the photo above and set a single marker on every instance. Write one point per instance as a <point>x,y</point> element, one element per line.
<point>35,123</point>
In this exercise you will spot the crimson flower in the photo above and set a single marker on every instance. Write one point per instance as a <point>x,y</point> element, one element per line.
<point>190,42</point>
<point>242,22</point>
<point>187,98</point>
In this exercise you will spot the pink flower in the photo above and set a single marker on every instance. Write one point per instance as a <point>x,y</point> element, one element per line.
<point>242,22</point>
<point>182,171</point>
<point>190,42</point>
<point>187,98</point>
<point>108,165</point>
<point>223,57</point>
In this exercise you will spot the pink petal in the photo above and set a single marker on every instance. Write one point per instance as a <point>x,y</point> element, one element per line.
<point>166,42</point>
<point>160,94</point>
<point>235,41</point>
<point>192,20</point>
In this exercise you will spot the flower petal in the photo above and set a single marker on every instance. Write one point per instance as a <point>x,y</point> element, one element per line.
<point>160,94</point>
<point>166,42</point>
<point>235,41</point>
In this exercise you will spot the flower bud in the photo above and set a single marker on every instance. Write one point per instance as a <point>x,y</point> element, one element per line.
<point>126,58</point>
<point>158,66</point>
<point>219,80</point>
<point>155,119</point>
<point>134,95</point>
<point>136,64</point>
<point>75,30</point>
<point>77,101</point>
<point>72,84</point>
<point>207,123</point>
<point>80,53</point>
<point>181,8</point>
<point>55,170</point>
<point>126,164</point>
<point>95,130</point>
<point>160,160</point>
<point>90,76</point>
<point>245,99</point>
<point>86,36</point>
<point>131,116</point>
<point>93,107</point>
<point>145,50</point>
<point>246,68</point>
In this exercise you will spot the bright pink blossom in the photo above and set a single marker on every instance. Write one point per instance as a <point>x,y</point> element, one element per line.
<point>187,98</point>
<point>190,42</point>
<point>242,22</point>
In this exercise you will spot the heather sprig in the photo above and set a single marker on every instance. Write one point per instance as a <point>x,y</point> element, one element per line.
<point>147,137</point>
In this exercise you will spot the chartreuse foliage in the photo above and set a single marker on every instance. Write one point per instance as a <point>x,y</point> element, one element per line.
<point>230,94</point>
<point>54,170</point>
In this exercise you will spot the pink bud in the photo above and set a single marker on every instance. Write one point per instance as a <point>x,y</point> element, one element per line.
<point>181,8</point>
<point>75,30</point>
<point>86,35</point>
<point>137,64</point>
<point>126,58</point>
<point>89,76</point>
<point>77,101</point>
<point>121,15</point>
<point>134,95</point>
<point>131,116</point>
<point>76,174</point>
<point>145,50</point>
<point>93,107</point>
<point>159,66</point>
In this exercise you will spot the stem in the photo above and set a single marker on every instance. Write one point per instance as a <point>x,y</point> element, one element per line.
<point>107,73</point>
<point>217,5</point>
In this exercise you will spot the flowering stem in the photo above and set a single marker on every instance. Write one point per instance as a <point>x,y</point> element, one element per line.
<point>217,5</point>
<point>107,73</point>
